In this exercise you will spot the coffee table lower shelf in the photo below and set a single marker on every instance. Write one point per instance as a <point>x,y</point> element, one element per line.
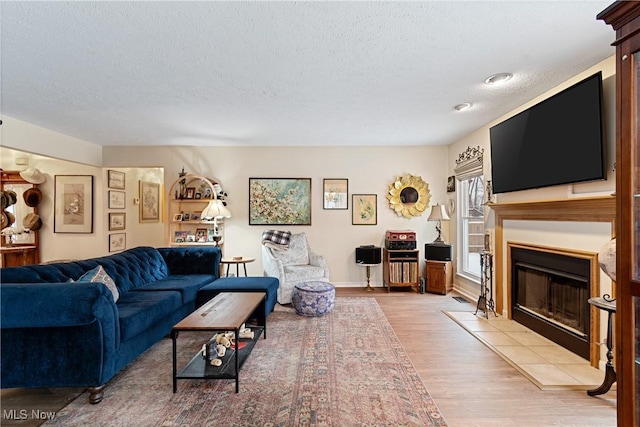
<point>200,369</point>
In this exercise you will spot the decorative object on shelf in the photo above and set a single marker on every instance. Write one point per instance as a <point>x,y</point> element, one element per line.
<point>116,179</point>
<point>149,202</point>
<point>279,201</point>
<point>365,209</point>
<point>181,191</point>
<point>409,196</point>
<point>117,221</point>
<point>451,184</point>
<point>117,200</point>
<point>73,204</point>
<point>214,211</point>
<point>368,256</point>
<point>438,213</point>
<point>117,242</point>
<point>335,193</point>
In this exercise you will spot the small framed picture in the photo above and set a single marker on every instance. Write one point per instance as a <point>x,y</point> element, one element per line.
<point>207,193</point>
<point>180,236</point>
<point>117,221</point>
<point>191,238</point>
<point>451,184</point>
<point>116,179</point>
<point>198,195</point>
<point>335,193</point>
<point>364,209</point>
<point>186,216</point>
<point>195,216</point>
<point>117,242</point>
<point>117,199</point>
<point>177,217</point>
<point>191,191</point>
<point>149,202</point>
<point>201,235</point>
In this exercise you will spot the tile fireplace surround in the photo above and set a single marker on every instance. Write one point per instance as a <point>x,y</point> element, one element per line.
<point>588,209</point>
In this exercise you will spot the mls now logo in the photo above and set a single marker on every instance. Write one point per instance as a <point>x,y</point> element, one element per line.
<point>23,414</point>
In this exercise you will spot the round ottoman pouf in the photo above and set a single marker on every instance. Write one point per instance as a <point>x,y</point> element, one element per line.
<point>313,298</point>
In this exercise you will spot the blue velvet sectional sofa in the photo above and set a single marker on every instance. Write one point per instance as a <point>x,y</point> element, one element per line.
<point>59,333</point>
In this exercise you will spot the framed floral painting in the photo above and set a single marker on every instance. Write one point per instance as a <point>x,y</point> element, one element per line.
<point>279,201</point>
<point>365,209</point>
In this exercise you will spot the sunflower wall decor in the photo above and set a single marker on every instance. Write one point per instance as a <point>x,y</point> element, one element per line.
<point>409,196</point>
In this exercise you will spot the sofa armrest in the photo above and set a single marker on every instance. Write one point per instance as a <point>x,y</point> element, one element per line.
<point>318,260</point>
<point>44,305</point>
<point>192,259</point>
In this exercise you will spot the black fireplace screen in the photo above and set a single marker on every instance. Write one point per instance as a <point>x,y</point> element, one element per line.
<point>550,294</point>
<point>558,298</point>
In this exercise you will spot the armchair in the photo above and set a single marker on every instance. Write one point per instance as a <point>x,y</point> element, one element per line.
<point>294,265</point>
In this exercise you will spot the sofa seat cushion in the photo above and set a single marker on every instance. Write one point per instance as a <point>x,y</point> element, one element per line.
<point>300,273</point>
<point>241,284</point>
<point>139,310</point>
<point>187,284</point>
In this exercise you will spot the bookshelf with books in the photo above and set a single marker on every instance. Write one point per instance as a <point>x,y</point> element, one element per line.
<point>401,268</point>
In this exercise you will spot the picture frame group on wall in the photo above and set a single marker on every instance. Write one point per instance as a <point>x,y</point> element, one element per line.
<point>117,199</point>
<point>335,193</point>
<point>117,242</point>
<point>149,201</point>
<point>116,179</point>
<point>279,201</point>
<point>73,204</point>
<point>117,221</point>
<point>364,210</point>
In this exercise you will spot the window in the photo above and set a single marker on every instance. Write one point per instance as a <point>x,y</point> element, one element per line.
<point>471,226</point>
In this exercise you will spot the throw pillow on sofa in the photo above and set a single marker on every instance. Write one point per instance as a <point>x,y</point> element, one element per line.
<point>99,275</point>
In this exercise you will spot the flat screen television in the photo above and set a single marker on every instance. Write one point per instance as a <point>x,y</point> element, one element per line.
<point>557,141</point>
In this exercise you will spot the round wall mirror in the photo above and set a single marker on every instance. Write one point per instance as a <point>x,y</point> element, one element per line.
<point>409,196</point>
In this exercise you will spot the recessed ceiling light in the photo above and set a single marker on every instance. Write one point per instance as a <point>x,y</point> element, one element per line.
<point>463,106</point>
<point>497,79</point>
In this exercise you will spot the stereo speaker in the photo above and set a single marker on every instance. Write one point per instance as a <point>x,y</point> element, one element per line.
<point>437,252</point>
<point>368,255</point>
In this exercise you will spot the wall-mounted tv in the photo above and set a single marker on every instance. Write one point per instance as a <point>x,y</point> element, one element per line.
<point>557,141</point>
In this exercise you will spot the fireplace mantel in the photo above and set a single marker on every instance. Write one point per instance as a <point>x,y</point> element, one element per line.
<point>578,209</point>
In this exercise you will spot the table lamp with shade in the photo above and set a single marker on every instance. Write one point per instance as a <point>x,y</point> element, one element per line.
<point>438,213</point>
<point>215,210</point>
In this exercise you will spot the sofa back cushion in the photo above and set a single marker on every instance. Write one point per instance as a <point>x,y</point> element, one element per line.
<point>128,269</point>
<point>297,253</point>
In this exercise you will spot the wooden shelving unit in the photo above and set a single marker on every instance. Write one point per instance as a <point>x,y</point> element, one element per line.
<point>401,268</point>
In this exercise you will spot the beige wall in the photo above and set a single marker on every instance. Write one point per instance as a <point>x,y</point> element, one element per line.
<point>535,231</point>
<point>55,246</point>
<point>369,170</point>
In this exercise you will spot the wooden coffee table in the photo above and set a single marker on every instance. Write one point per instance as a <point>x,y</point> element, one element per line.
<point>227,311</point>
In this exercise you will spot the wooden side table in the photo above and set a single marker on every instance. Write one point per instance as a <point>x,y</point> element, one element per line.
<point>237,261</point>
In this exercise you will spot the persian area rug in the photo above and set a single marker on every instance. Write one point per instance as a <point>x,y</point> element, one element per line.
<point>343,369</point>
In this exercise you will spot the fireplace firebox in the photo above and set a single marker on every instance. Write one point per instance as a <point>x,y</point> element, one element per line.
<point>549,296</point>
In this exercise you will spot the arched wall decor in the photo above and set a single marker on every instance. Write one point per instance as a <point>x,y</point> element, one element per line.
<point>409,196</point>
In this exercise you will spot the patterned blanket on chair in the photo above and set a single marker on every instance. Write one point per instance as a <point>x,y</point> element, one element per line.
<point>276,239</point>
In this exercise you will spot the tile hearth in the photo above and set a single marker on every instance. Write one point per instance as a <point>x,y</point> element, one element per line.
<point>545,363</point>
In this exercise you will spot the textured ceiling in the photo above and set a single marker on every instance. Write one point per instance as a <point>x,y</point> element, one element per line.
<point>286,73</point>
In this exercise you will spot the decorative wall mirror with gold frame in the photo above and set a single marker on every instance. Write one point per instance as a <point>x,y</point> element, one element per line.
<point>409,196</point>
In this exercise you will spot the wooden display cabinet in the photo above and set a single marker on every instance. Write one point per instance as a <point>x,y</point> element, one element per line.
<point>438,276</point>
<point>401,268</point>
<point>624,17</point>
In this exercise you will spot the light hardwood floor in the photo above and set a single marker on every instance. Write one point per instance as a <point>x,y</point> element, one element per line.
<point>472,386</point>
